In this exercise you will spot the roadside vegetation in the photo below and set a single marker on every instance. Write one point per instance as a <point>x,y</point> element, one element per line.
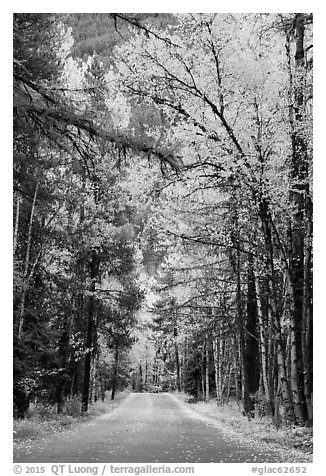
<point>261,430</point>
<point>42,421</point>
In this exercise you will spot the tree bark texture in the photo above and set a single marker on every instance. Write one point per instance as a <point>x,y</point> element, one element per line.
<point>26,276</point>
<point>90,333</point>
<point>115,371</point>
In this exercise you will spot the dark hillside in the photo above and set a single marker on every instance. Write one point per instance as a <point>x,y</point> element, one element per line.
<point>98,32</point>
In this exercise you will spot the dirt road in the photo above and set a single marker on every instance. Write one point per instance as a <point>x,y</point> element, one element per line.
<point>145,428</point>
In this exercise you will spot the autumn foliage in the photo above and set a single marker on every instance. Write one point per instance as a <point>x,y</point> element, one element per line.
<point>163,211</point>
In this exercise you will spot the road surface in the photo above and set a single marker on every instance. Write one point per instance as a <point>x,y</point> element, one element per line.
<point>145,428</point>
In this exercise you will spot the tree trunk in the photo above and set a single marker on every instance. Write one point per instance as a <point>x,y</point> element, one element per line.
<point>146,372</point>
<point>307,324</point>
<point>115,371</point>
<point>184,367</point>
<point>247,403</point>
<point>94,373</point>
<point>265,371</point>
<point>202,368</point>
<point>300,230</point>
<point>177,360</point>
<point>16,224</point>
<point>218,370</point>
<point>64,351</point>
<point>251,338</point>
<point>285,386</point>
<point>206,368</point>
<point>90,333</point>
<point>198,376</point>
<point>140,379</point>
<point>26,267</point>
<point>228,391</point>
<point>299,197</point>
<point>237,367</point>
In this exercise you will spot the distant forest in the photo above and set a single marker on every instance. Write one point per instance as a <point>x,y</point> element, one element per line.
<point>99,33</point>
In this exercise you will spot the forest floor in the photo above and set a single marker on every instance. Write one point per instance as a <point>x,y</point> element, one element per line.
<point>44,421</point>
<point>146,428</point>
<point>260,431</point>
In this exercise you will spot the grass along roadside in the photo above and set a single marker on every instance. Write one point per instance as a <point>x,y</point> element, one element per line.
<point>44,421</point>
<point>260,430</point>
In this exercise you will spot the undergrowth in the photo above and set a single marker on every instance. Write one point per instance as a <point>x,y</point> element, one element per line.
<point>259,429</point>
<point>42,420</point>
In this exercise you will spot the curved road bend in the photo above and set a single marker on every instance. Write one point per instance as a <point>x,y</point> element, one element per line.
<point>145,428</point>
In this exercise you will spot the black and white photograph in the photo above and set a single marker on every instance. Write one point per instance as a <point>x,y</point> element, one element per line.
<point>162,219</point>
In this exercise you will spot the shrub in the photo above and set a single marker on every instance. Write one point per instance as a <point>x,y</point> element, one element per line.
<point>73,406</point>
<point>66,420</point>
<point>100,407</point>
<point>45,412</point>
<point>25,429</point>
